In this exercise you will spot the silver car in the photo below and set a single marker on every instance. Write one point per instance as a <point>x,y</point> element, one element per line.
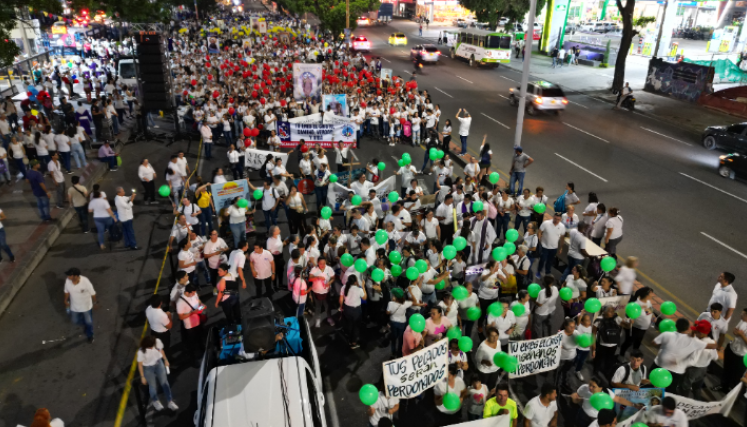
<point>426,53</point>
<point>541,96</point>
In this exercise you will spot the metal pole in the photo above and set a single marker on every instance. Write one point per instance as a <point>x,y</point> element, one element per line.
<point>197,14</point>
<point>347,14</point>
<point>525,71</point>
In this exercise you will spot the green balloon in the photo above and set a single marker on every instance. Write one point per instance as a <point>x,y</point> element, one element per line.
<point>440,285</point>
<point>421,265</point>
<point>377,275</point>
<point>592,305</point>
<point>534,290</point>
<point>518,309</point>
<point>540,208</point>
<point>393,196</point>
<point>406,156</point>
<point>744,360</point>
<point>584,340</point>
<point>512,235</point>
<point>660,378</point>
<point>357,200</point>
<point>164,191</point>
<point>509,247</point>
<point>511,364</point>
<point>639,425</point>
<point>257,194</point>
<point>381,166</point>
<point>633,310</point>
<point>396,270</point>
<point>460,243</point>
<point>407,161</point>
<point>667,325</point>
<point>326,212</point>
<point>333,178</point>
<point>668,308</point>
<point>601,400</point>
<point>412,273</point>
<point>449,252</point>
<point>441,154</point>
<point>495,309</point>
<point>401,163</point>
<point>453,333</point>
<point>566,294</point>
<point>477,206</point>
<point>451,401</point>
<point>459,293</point>
<point>608,264</point>
<point>474,313</point>
<point>395,257</point>
<point>499,359</point>
<point>368,394</point>
<point>347,260</point>
<point>360,265</point>
<point>499,254</point>
<point>433,154</point>
<point>243,203</point>
<point>494,178</point>
<point>465,344</point>
<point>381,237</point>
<point>417,322</point>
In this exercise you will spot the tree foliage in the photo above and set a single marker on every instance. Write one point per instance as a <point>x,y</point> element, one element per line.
<point>628,33</point>
<point>492,10</point>
<point>331,13</point>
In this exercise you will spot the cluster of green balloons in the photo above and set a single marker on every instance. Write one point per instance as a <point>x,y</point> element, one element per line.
<point>326,212</point>
<point>660,378</point>
<point>368,394</point>
<point>436,154</point>
<point>494,178</point>
<point>405,160</point>
<point>164,191</point>
<point>505,361</point>
<point>417,322</point>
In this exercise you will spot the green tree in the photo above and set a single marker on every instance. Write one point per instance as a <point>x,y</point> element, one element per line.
<point>491,11</point>
<point>629,31</point>
<point>331,13</point>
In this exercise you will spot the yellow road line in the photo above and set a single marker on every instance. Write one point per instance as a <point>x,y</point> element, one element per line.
<point>133,365</point>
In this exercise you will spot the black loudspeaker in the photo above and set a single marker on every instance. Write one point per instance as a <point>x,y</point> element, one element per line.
<point>154,71</point>
<point>150,49</point>
<point>258,325</point>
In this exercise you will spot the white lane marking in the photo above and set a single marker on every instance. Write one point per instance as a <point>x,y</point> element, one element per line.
<point>330,400</point>
<point>495,121</point>
<point>580,105</point>
<point>504,97</point>
<point>407,72</point>
<point>434,87</point>
<point>385,59</point>
<point>504,77</point>
<point>465,79</point>
<point>714,187</point>
<point>580,167</point>
<point>725,245</point>
<point>666,136</point>
<point>583,131</point>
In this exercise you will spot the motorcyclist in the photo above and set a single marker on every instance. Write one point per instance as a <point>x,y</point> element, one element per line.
<point>418,64</point>
<point>624,93</point>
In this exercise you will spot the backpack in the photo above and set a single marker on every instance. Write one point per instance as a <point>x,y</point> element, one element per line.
<point>263,172</point>
<point>626,376</point>
<point>609,331</point>
<point>559,204</point>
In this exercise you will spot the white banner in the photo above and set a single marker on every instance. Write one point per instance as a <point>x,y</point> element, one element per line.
<point>255,159</point>
<point>536,356</point>
<point>337,193</point>
<point>310,119</point>
<point>695,409</point>
<point>409,376</point>
<point>497,421</point>
<point>335,120</point>
<point>618,301</point>
<point>292,133</point>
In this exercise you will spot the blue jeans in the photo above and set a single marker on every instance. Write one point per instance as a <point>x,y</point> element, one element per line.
<point>6,141</point>
<point>271,217</point>
<point>65,160</point>
<point>83,217</point>
<point>7,171</point>
<point>239,233</point>
<point>206,220</point>
<point>79,156</point>
<point>299,310</point>
<point>581,356</point>
<point>44,160</point>
<point>430,299</point>
<point>4,244</point>
<point>397,334</point>
<point>103,224</point>
<point>150,120</point>
<point>321,197</point>
<point>42,202</point>
<point>129,234</point>
<point>201,266</point>
<point>427,159</point>
<point>547,259</point>
<point>84,317</point>
<point>572,262</point>
<point>516,176</point>
<point>208,150</point>
<point>157,373</point>
<point>111,160</point>
<point>463,138</point>
<point>115,125</point>
<point>229,139</point>
<point>415,135</point>
<point>519,220</point>
<point>21,167</point>
<point>501,224</point>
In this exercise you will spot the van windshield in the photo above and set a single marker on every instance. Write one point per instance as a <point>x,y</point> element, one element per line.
<point>127,70</point>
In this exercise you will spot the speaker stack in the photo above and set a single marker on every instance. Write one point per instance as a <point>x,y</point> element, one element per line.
<point>154,72</point>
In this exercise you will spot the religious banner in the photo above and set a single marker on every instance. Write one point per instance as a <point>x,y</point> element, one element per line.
<point>213,44</point>
<point>307,82</point>
<point>410,376</point>
<point>262,26</point>
<point>338,103</point>
<point>311,119</point>
<point>386,76</point>
<point>649,397</point>
<point>337,193</point>
<point>292,133</point>
<point>255,159</point>
<point>536,356</point>
<point>224,193</point>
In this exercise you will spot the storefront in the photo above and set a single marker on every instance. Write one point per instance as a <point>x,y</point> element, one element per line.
<point>402,8</point>
<point>446,11</point>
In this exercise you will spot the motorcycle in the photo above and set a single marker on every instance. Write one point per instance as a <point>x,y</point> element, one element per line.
<point>628,103</point>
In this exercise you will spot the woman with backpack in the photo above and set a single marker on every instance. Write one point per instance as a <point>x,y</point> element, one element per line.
<point>606,329</point>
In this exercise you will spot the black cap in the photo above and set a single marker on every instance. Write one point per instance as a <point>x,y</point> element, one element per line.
<point>558,214</point>
<point>519,149</point>
<point>72,272</point>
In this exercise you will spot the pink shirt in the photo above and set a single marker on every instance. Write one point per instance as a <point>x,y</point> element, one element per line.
<point>436,332</point>
<point>410,340</point>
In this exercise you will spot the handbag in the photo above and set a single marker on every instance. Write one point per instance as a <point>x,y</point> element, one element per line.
<point>201,316</point>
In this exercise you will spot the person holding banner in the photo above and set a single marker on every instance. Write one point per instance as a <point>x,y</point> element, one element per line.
<point>385,407</point>
<point>587,413</point>
<point>484,357</point>
<point>666,414</point>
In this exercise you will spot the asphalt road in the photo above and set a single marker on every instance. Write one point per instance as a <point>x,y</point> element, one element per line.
<point>682,220</point>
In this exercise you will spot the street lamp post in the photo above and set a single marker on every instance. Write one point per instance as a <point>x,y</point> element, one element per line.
<point>525,72</point>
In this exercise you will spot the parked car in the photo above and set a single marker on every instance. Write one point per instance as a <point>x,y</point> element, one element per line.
<point>398,39</point>
<point>594,27</point>
<point>732,138</point>
<point>426,53</point>
<point>733,166</point>
<point>541,96</point>
<point>460,22</point>
<point>503,21</point>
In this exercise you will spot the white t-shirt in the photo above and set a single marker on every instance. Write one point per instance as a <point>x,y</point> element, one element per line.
<point>261,263</point>
<point>634,377</point>
<point>675,349</point>
<point>184,307</point>
<point>188,257</point>
<point>551,234</point>
<point>150,356</point>
<point>236,261</point>
<point>647,313</point>
<point>443,387</point>
<point>539,414</point>
<point>398,311</point>
<point>577,286</point>
<point>80,295</point>
<point>738,346</point>
<point>656,415</point>
<point>548,303</point>
<point>585,393</point>
<point>616,223</point>
<point>485,352</point>
<point>503,324</point>
<point>157,319</point>
<point>718,327</point>
<point>568,346</point>
<point>381,408</point>
<point>726,296</point>
<point>464,124</point>
<point>476,399</point>
<point>354,296</point>
<point>99,207</point>
<point>625,278</point>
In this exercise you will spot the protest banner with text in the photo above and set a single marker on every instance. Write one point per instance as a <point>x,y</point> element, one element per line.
<point>536,356</point>
<point>410,376</point>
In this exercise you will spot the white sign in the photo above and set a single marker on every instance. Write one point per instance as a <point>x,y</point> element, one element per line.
<point>409,376</point>
<point>337,193</point>
<point>497,421</point>
<point>310,119</point>
<point>695,409</point>
<point>619,302</point>
<point>536,356</point>
<point>255,159</point>
<point>334,120</point>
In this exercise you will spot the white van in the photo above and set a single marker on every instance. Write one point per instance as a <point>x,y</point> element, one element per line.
<point>276,391</point>
<point>127,72</point>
